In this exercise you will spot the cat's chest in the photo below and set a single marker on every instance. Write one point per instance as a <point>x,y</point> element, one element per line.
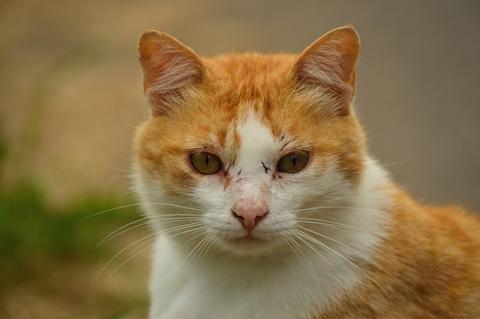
<point>197,298</point>
<point>226,291</point>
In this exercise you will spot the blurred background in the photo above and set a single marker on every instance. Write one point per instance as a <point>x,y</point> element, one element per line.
<point>71,96</point>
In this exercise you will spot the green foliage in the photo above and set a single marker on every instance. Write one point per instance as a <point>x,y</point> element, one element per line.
<point>38,240</point>
<point>33,233</point>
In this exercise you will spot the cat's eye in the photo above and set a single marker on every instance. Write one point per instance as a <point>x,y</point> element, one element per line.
<point>206,163</point>
<point>293,162</point>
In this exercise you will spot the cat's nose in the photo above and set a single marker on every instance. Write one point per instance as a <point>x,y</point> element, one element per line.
<point>249,213</point>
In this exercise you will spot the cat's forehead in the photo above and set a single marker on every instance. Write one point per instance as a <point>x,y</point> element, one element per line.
<point>257,142</point>
<point>249,107</point>
<point>246,66</point>
<point>249,94</point>
<point>243,78</point>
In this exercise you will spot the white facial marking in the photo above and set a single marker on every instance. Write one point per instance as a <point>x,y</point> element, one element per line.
<point>250,191</point>
<point>257,145</point>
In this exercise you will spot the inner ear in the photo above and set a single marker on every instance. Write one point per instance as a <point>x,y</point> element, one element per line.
<point>169,69</point>
<point>329,64</point>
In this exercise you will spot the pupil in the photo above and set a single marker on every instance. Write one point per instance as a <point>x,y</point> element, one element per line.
<point>207,158</point>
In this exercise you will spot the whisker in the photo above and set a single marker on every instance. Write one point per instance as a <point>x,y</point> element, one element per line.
<point>138,252</point>
<point>139,204</point>
<point>128,229</point>
<point>175,215</point>
<point>178,220</point>
<point>198,235</point>
<point>194,249</point>
<point>201,250</point>
<point>337,279</point>
<point>189,231</point>
<point>310,262</point>
<point>175,205</point>
<point>177,230</point>
<point>112,209</point>
<point>304,241</point>
<point>119,230</point>
<point>331,207</point>
<point>138,241</point>
<point>316,221</point>
<point>395,163</point>
<point>125,228</point>
<point>358,268</point>
<point>181,227</point>
<point>326,237</point>
<point>212,240</point>
<point>294,246</point>
<point>373,263</point>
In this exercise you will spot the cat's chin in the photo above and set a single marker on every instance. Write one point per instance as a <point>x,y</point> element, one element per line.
<point>250,245</point>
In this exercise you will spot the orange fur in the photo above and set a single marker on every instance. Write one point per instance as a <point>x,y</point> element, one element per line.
<point>429,265</point>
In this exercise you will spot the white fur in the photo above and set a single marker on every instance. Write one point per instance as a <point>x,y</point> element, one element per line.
<point>269,281</point>
<point>256,144</point>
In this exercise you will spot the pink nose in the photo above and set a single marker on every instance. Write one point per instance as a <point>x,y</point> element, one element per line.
<point>249,213</point>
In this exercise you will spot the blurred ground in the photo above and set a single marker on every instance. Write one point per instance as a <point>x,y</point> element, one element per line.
<point>71,97</point>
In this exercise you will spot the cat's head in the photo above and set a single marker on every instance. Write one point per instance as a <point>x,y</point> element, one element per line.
<point>240,149</point>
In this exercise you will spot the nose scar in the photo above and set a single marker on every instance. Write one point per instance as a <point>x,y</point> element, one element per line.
<point>265,167</point>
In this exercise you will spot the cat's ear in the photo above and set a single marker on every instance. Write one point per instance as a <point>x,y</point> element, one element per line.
<point>329,63</point>
<point>169,68</point>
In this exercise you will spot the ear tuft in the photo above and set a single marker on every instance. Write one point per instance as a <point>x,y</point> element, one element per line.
<point>169,68</point>
<point>329,63</point>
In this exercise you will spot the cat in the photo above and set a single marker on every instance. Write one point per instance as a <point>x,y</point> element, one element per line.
<point>254,172</point>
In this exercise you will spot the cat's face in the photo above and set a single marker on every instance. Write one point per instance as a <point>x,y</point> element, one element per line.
<point>240,148</point>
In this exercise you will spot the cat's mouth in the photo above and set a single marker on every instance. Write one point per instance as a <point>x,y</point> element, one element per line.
<point>250,244</point>
<point>248,238</point>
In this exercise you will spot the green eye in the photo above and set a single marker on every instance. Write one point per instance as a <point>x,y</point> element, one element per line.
<point>206,163</point>
<point>293,162</point>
